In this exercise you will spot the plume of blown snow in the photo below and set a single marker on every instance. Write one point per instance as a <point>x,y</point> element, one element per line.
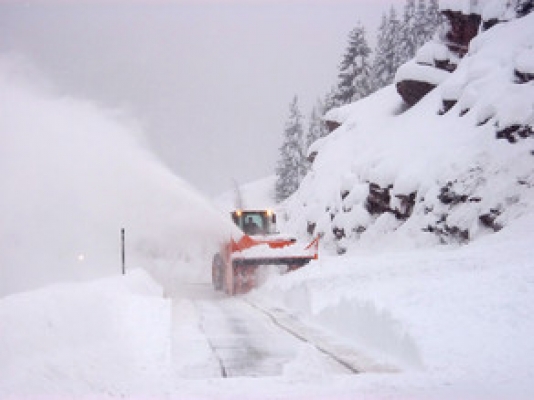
<point>72,175</point>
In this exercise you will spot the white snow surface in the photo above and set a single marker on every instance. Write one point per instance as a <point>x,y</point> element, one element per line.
<point>455,321</point>
<point>103,337</point>
<point>416,71</point>
<point>431,51</point>
<point>525,61</point>
<point>452,322</point>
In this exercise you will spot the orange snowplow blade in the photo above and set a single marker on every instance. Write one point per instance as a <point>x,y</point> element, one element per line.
<point>279,252</point>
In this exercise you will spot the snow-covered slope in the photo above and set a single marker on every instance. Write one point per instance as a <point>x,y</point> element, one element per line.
<point>424,175</point>
<point>71,176</point>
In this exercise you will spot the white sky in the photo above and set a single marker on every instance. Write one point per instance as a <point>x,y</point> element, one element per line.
<point>210,81</point>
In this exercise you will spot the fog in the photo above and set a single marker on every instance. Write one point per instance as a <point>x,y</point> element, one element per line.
<point>208,83</point>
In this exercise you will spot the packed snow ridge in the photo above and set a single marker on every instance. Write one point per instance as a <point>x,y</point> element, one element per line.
<point>455,166</point>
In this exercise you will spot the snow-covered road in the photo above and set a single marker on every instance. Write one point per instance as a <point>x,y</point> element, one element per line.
<point>233,337</point>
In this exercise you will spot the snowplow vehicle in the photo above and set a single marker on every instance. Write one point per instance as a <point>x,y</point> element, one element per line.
<point>235,267</point>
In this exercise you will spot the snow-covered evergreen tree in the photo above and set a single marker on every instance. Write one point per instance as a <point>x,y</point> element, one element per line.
<point>434,13</point>
<point>429,19</point>
<point>387,58</point>
<point>409,32</point>
<point>291,166</point>
<point>418,27</point>
<point>329,100</point>
<point>315,130</point>
<point>379,65</point>
<point>355,69</point>
<point>421,23</point>
<point>316,126</point>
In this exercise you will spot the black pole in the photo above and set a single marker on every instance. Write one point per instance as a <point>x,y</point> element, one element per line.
<point>123,253</point>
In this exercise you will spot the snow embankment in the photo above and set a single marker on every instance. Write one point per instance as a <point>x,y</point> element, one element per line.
<point>109,337</point>
<point>455,321</point>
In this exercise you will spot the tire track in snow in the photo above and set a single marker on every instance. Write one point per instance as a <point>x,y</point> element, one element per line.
<point>249,341</point>
<point>345,363</point>
<point>219,336</point>
<point>244,341</point>
<point>224,373</point>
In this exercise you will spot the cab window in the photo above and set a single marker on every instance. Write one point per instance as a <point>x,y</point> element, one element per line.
<point>253,224</point>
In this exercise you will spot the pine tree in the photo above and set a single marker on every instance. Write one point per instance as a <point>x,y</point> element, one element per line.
<point>387,58</point>
<point>379,67</point>
<point>418,27</point>
<point>421,23</point>
<point>434,17</point>
<point>355,72</point>
<point>393,39</point>
<point>408,33</point>
<point>428,21</point>
<point>291,166</point>
<point>330,101</point>
<point>315,130</point>
<point>316,126</point>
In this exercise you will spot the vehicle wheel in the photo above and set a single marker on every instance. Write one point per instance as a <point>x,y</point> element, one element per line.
<point>244,278</point>
<point>217,269</point>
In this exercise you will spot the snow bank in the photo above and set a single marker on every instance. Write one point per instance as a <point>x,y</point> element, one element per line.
<point>108,337</point>
<point>455,322</point>
<point>71,176</point>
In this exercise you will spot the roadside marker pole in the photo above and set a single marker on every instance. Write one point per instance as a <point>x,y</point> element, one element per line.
<point>123,253</point>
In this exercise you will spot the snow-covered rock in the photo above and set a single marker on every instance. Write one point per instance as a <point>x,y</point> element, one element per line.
<point>414,71</point>
<point>440,172</point>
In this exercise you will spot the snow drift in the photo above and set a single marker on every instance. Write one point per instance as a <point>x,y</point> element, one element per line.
<point>71,176</point>
<point>106,336</point>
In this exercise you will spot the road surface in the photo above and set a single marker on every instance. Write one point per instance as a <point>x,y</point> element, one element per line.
<point>219,336</point>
